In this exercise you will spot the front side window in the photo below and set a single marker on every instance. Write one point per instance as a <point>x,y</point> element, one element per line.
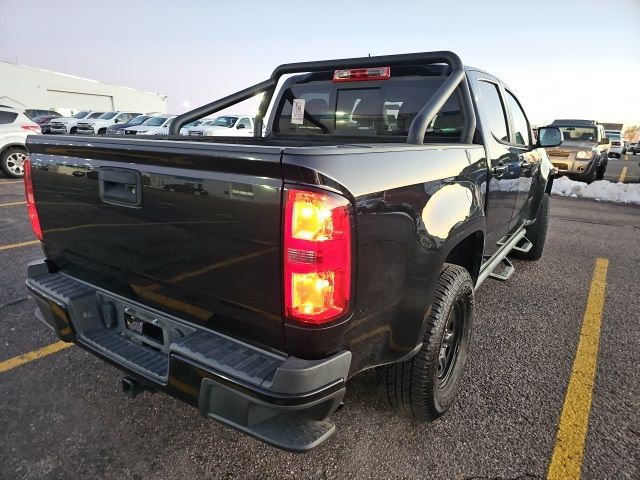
<point>494,110</point>
<point>246,122</point>
<point>520,124</point>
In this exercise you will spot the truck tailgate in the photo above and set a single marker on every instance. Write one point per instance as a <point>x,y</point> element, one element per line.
<point>191,229</point>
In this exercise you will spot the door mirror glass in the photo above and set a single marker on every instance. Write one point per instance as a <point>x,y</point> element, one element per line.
<point>240,125</point>
<point>549,137</point>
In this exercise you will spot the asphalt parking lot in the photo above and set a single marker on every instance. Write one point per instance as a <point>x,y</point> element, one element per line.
<point>63,416</point>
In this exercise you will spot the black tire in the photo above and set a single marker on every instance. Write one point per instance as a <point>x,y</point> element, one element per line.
<point>102,131</point>
<point>73,130</point>
<point>537,232</point>
<point>11,161</point>
<point>601,172</point>
<point>424,386</point>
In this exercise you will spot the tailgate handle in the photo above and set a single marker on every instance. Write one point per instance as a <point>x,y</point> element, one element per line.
<point>120,186</point>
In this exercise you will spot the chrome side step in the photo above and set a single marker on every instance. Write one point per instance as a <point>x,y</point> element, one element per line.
<point>497,260</point>
<point>523,246</point>
<point>503,270</point>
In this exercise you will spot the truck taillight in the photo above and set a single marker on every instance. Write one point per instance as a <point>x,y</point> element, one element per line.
<point>31,202</point>
<point>360,74</point>
<point>317,255</point>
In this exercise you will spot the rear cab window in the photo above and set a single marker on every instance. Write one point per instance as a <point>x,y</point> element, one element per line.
<point>378,109</point>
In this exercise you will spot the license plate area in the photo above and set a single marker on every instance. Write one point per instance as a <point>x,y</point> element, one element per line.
<point>144,328</point>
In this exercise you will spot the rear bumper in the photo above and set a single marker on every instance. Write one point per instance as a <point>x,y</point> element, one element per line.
<point>282,400</point>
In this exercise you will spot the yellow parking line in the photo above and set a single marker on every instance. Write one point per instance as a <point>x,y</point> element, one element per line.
<point>34,355</point>
<point>623,175</point>
<point>17,245</point>
<point>566,461</point>
<point>12,203</point>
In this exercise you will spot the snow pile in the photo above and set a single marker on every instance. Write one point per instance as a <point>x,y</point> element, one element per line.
<point>599,190</point>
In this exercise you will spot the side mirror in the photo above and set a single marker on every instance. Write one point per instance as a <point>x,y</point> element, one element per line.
<point>116,121</point>
<point>549,137</point>
<point>241,126</point>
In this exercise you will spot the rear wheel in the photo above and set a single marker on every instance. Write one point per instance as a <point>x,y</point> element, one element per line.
<point>12,162</point>
<point>537,232</point>
<point>425,386</point>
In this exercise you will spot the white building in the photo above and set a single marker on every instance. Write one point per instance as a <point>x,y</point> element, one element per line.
<point>24,87</point>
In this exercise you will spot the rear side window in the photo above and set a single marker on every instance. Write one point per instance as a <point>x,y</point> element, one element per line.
<point>519,119</point>
<point>7,117</point>
<point>494,110</point>
<point>384,108</point>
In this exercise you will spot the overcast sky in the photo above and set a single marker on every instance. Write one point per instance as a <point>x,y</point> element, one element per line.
<point>577,59</point>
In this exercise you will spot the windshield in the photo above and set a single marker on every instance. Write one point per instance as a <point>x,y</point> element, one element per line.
<point>138,120</point>
<point>577,134</point>
<point>155,121</point>
<point>225,122</point>
<point>108,115</point>
<point>374,108</point>
<point>95,115</point>
<point>80,114</point>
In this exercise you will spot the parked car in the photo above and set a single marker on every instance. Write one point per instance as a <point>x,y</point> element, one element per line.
<point>226,126</point>
<point>119,128</point>
<point>344,241</point>
<point>69,125</point>
<point>617,144</point>
<point>14,129</point>
<point>583,155</point>
<point>44,122</point>
<point>158,125</point>
<point>32,113</point>
<point>99,125</point>
<point>633,148</point>
<point>196,123</point>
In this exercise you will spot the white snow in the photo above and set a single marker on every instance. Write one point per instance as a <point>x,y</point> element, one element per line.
<point>598,190</point>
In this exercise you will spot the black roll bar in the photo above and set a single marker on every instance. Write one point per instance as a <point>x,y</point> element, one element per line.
<point>419,125</point>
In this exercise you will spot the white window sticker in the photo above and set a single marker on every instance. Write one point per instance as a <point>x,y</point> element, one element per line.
<point>297,111</point>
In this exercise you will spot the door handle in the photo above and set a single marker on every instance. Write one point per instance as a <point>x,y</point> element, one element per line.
<point>499,170</point>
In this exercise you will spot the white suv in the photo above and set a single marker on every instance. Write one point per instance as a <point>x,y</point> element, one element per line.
<point>158,125</point>
<point>99,125</point>
<point>66,125</point>
<point>14,128</point>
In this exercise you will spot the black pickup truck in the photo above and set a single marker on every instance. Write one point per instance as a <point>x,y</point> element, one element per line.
<point>253,277</point>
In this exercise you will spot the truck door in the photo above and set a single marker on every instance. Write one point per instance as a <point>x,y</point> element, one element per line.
<point>528,159</point>
<point>504,166</point>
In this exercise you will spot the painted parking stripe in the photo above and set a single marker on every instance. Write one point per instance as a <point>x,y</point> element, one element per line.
<point>10,182</point>
<point>566,460</point>
<point>623,174</point>
<point>34,355</point>
<point>18,245</point>
<point>11,204</point>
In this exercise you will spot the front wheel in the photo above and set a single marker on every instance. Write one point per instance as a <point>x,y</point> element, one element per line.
<point>601,171</point>
<point>424,387</point>
<point>12,162</point>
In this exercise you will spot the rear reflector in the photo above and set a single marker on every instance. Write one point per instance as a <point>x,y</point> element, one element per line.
<point>31,202</point>
<point>360,74</point>
<point>317,255</point>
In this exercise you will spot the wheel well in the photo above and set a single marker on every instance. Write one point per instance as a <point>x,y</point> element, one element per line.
<point>468,254</point>
<point>13,145</point>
